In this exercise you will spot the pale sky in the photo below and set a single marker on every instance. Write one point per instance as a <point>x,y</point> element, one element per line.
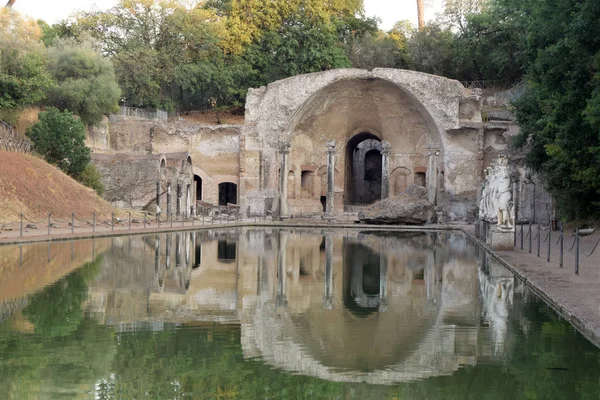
<point>388,11</point>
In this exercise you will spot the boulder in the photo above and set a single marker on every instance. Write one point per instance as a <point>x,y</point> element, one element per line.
<point>410,208</point>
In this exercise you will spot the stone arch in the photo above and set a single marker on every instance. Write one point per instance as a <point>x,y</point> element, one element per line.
<point>358,187</point>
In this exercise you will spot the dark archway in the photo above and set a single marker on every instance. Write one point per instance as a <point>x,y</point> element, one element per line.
<point>227,193</point>
<point>198,183</point>
<point>363,169</point>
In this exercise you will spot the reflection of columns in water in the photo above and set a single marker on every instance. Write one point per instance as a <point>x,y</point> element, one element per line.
<point>168,250</point>
<point>188,238</point>
<point>284,150</point>
<point>281,258</point>
<point>383,267</point>
<point>197,250</point>
<point>385,169</point>
<point>157,253</point>
<point>328,271</point>
<point>178,249</point>
<point>329,203</point>
<point>430,274</point>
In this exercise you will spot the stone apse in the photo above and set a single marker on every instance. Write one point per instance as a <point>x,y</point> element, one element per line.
<point>376,131</point>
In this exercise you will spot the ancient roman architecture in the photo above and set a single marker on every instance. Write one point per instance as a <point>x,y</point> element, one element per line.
<point>325,142</point>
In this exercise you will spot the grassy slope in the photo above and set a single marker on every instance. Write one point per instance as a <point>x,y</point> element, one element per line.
<point>30,185</point>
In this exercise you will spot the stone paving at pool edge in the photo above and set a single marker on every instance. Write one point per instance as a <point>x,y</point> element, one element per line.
<point>575,297</point>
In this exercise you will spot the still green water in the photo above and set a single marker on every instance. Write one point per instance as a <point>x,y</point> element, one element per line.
<point>280,314</point>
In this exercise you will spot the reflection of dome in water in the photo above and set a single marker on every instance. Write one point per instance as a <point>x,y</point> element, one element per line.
<point>357,336</point>
<point>339,339</point>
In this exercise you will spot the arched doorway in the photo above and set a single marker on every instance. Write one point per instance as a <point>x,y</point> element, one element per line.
<point>198,184</point>
<point>227,193</point>
<point>363,169</point>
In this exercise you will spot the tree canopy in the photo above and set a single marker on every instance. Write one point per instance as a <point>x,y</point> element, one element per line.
<point>60,138</point>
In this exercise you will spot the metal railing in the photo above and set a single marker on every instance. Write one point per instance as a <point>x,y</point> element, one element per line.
<point>542,235</point>
<point>139,113</point>
<point>12,141</point>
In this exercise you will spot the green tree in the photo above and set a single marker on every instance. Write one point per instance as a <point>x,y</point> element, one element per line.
<point>60,138</point>
<point>24,78</point>
<point>559,112</point>
<point>85,79</point>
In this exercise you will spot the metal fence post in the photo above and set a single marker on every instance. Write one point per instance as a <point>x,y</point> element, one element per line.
<point>112,221</point>
<point>21,224</point>
<point>72,223</point>
<point>171,220</point>
<point>549,238</point>
<point>562,237</point>
<point>539,239</point>
<point>93,222</point>
<point>129,219</point>
<point>521,235</point>
<point>48,224</point>
<point>144,220</point>
<point>529,223</point>
<point>577,251</point>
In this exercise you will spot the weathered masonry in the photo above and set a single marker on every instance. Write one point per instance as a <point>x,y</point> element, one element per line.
<point>329,142</point>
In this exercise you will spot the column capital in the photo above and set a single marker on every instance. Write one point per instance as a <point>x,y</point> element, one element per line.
<point>330,146</point>
<point>386,147</point>
<point>433,150</point>
<point>283,146</point>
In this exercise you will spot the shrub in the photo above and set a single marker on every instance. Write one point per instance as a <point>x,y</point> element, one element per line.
<point>92,178</point>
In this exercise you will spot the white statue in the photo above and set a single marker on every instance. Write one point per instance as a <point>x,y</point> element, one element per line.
<point>496,202</point>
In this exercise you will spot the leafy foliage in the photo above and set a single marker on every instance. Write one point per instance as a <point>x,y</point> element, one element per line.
<point>560,109</point>
<point>86,82</point>
<point>60,138</point>
<point>24,78</point>
<point>91,177</point>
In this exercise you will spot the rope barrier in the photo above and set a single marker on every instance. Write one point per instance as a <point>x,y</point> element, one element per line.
<point>536,236</point>
<point>591,252</point>
<point>528,233</point>
<point>573,245</point>
<point>547,235</point>
<point>558,240</point>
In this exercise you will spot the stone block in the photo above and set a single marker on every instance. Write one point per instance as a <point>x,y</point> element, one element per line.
<point>502,238</point>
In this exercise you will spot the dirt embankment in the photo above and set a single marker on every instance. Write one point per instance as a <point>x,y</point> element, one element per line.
<point>30,185</point>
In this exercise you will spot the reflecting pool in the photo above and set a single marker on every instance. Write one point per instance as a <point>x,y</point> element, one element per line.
<point>280,314</point>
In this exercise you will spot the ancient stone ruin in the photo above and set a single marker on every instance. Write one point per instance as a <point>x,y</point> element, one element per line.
<point>319,144</point>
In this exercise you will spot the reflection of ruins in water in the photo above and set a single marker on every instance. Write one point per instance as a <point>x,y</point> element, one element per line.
<point>339,305</point>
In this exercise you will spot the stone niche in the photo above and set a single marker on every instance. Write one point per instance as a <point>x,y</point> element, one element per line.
<point>360,109</point>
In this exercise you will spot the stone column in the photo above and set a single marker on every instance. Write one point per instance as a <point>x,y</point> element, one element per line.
<point>328,303</point>
<point>178,199</point>
<point>330,150</point>
<point>385,169</point>
<point>188,201</point>
<point>169,206</point>
<point>284,150</point>
<point>432,174</point>
<point>158,193</point>
<point>280,299</point>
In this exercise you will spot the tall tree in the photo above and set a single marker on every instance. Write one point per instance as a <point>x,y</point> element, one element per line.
<point>421,14</point>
